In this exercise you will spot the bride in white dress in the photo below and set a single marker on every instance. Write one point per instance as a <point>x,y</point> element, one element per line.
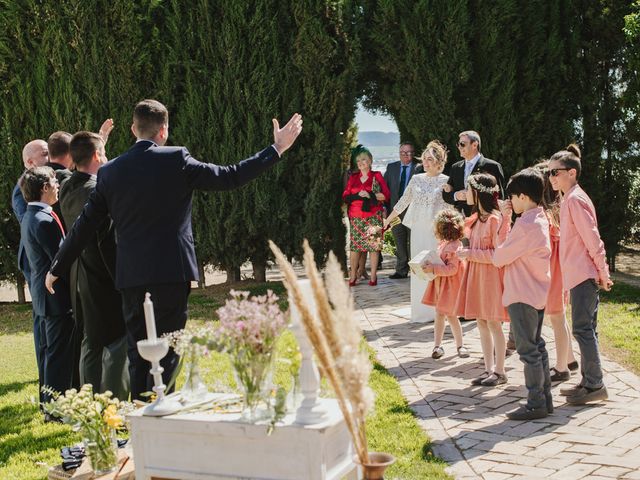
<point>423,197</point>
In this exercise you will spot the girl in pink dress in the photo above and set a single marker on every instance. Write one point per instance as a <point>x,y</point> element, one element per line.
<point>480,294</point>
<point>442,291</point>
<point>557,298</point>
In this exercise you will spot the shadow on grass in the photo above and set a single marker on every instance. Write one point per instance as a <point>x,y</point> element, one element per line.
<point>621,293</point>
<point>15,318</point>
<point>6,388</point>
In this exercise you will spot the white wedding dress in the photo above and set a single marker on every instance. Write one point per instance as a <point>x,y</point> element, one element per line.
<point>423,200</point>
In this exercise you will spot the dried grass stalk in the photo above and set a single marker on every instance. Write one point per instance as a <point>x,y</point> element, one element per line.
<point>336,340</point>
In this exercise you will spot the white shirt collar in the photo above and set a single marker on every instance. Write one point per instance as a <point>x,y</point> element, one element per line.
<point>45,206</point>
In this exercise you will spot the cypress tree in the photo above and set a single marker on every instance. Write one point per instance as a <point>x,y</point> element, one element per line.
<point>419,59</point>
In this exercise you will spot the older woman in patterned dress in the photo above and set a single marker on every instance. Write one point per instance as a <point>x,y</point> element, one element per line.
<point>365,194</point>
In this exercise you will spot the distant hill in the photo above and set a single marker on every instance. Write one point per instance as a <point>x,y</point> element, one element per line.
<point>379,139</point>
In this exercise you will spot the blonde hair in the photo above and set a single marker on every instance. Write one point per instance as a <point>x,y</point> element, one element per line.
<point>437,151</point>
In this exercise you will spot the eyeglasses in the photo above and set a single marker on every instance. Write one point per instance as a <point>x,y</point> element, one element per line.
<point>462,144</point>
<point>555,171</point>
<point>406,152</point>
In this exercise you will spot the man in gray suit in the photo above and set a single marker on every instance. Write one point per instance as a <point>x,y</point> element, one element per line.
<point>397,177</point>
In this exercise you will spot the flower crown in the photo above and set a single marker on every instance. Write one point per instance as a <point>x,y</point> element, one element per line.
<point>481,188</point>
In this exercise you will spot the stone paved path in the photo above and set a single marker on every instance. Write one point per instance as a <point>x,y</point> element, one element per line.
<point>467,424</point>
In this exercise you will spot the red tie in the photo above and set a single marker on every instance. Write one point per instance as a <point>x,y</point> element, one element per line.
<point>57,219</point>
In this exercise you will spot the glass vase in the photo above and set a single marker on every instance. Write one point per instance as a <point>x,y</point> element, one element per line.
<point>253,373</point>
<point>101,447</point>
<point>194,388</point>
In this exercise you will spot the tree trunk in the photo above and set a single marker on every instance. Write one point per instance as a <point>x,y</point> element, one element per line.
<point>259,270</point>
<point>202,282</point>
<point>233,274</point>
<point>20,286</point>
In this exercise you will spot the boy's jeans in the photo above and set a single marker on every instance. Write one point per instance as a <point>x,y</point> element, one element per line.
<point>584,317</point>
<point>526,324</point>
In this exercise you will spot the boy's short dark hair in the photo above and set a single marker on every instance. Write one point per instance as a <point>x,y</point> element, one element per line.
<point>58,144</point>
<point>33,181</point>
<point>529,182</point>
<point>83,146</point>
<point>148,116</point>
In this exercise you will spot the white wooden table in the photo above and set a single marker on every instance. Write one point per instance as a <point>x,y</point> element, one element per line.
<point>212,446</point>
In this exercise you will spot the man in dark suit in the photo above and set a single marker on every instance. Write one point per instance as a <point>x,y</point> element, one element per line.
<point>41,232</point>
<point>34,154</point>
<point>97,304</point>
<point>148,191</point>
<point>469,146</point>
<point>397,177</point>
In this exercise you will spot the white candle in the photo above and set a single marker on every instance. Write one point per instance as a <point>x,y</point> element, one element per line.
<point>149,318</point>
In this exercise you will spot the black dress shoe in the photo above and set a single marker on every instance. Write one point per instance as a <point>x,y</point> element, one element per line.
<point>48,418</point>
<point>397,276</point>
<point>525,413</point>
<point>573,366</point>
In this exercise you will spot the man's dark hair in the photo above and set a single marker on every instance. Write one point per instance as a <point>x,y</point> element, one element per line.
<point>33,181</point>
<point>529,182</point>
<point>83,146</point>
<point>149,116</point>
<point>58,144</point>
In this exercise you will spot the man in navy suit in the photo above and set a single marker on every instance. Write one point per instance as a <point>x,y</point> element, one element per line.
<point>42,232</point>
<point>34,154</point>
<point>148,193</point>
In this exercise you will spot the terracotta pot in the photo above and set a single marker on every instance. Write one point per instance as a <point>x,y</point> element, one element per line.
<point>378,463</point>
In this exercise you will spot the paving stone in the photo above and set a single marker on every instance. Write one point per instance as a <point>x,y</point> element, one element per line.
<point>607,459</point>
<point>574,472</point>
<point>503,447</point>
<point>588,449</point>
<point>496,476</point>
<point>535,472</point>
<point>611,472</point>
<point>514,459</point>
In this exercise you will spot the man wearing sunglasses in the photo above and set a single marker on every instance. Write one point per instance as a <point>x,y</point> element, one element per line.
<point>469,145</point>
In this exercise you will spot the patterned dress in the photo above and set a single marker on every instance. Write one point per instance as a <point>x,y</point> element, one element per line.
<point>365,216</point>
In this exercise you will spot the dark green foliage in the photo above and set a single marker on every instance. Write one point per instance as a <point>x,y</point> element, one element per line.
<point>224,70</point>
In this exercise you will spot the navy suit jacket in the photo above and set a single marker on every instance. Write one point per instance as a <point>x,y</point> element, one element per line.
<point>148,192</point>
<point>19,208</point>
<point>41,237</point>
<point>392,177</point>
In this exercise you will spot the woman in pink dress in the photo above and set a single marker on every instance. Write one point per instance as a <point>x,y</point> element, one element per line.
<point>442,291</point>
<point>557,297</point>
<point>480,294</point>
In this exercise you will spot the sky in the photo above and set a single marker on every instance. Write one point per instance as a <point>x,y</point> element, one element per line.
<point>368,122</point>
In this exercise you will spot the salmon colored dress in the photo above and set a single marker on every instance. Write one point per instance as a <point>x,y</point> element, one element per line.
<point>442,291</point>
<point>557,297</point>
<point>480,293</point>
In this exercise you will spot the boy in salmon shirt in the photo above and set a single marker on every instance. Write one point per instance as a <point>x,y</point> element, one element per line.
<point>525,257</point>
<point>584,271</point>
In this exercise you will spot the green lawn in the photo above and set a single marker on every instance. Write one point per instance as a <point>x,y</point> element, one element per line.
<point>28,446</point>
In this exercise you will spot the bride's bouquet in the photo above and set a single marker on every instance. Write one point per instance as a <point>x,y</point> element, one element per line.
<point>374,237</point>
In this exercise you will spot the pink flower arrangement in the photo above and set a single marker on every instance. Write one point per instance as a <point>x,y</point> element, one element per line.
<point>250,323</point>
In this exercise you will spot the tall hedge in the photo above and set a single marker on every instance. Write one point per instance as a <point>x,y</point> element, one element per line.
<point>224,69</point>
